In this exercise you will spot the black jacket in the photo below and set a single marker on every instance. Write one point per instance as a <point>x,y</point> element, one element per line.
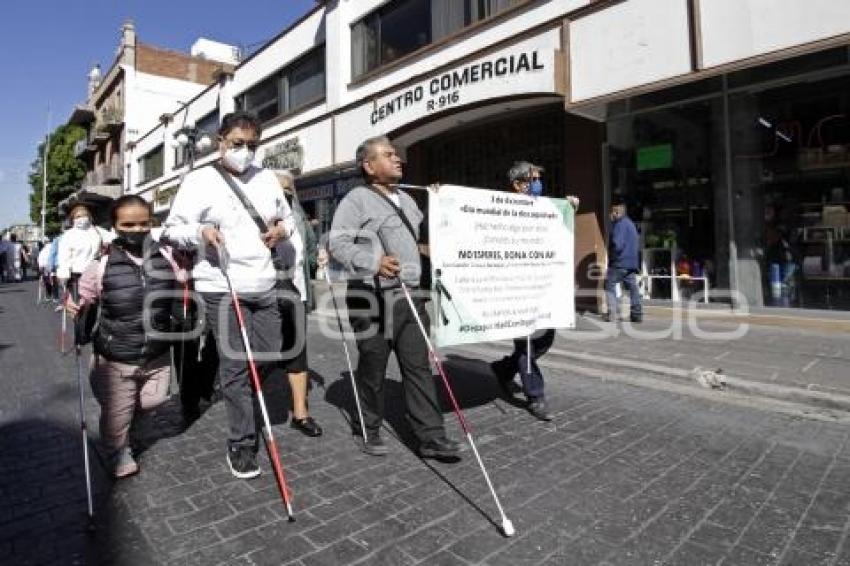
<point>135,301</point>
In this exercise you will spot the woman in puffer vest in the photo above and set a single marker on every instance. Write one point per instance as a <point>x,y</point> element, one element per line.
<point>135,286</point>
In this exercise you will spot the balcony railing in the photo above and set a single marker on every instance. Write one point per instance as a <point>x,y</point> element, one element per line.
<point>109,173</point>
<point>106,174</point>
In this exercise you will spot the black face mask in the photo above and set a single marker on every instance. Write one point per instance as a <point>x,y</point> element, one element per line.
<point>133,242</point>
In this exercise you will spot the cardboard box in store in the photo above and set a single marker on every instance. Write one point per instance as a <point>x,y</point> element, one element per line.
<point>835,215</point>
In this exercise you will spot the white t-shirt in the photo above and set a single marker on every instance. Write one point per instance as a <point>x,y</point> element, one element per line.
<point>205,199</point>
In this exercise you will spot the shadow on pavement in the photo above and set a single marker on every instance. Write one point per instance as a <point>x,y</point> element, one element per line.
<point>43,510</point>
<point>471,380</point>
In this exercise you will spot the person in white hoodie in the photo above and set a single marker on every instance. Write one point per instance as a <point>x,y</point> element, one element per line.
<point>207,215</point>
<point>82,243</point>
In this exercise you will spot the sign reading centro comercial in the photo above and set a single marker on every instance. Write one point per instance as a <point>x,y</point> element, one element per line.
<point>446,89</point>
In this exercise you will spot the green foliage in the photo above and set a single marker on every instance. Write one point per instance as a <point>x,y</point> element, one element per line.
<point>65,174</point>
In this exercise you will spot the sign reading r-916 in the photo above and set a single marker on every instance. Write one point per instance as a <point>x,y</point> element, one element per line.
<point>443,101</point>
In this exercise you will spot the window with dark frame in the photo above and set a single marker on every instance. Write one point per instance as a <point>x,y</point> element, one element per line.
<point>208,125</point>
<point>298,85</point>
<point>408,25</point>
<point>152,164</point>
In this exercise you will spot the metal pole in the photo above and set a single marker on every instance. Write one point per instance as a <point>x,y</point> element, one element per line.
<point>45,154</point>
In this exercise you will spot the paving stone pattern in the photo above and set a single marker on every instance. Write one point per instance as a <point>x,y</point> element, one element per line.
<point>622,475</point>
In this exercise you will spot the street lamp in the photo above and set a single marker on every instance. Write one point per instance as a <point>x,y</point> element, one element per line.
<point>194,140</point>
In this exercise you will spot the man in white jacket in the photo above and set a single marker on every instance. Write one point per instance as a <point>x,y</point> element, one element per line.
<point>208,216</point>
<point>82,243</point>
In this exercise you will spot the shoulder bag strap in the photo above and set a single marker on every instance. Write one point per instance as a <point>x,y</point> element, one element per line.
<point>398,211</point>
<point>240,194</point>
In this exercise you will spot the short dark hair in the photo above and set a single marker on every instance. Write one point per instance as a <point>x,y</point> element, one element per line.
<point>127,201</point>
<point>239,119</point>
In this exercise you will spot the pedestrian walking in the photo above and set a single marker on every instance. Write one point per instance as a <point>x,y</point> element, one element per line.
<point>4,260</point>
<point>52,266</point>
<point>525,178</point>
<point>26,260</point>
<point>133,287</point>
<point>623,245</point>
<point>374,236</point>
<point>210,211</point>
<point>295,254</point>
<point>44,270</point>
<point>80,244</point>
<point>15,258</point>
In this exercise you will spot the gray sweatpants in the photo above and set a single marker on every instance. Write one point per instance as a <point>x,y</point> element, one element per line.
<point>262,324</point>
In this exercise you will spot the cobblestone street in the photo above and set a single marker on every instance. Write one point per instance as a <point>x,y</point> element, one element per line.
<point>622,475</point>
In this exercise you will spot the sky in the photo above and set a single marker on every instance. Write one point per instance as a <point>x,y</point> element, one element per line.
<point>47,48</point>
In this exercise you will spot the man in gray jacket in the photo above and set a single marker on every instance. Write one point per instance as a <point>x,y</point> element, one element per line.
<point>374,236</point>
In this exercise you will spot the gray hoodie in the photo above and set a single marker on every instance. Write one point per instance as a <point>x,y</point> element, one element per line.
<point>366,227</point>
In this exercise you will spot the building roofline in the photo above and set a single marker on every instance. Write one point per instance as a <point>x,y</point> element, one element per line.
<point>286,30</point>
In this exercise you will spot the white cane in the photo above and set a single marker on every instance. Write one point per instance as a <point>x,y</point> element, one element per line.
<point>507,525</point>
<point>347,357</point>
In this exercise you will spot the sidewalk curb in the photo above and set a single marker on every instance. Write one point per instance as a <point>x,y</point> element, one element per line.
<point>819,399</point>
<point>807,396</point>
<point>737,392</point>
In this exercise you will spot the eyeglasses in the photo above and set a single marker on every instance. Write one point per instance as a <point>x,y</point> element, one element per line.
<point>239,144</point>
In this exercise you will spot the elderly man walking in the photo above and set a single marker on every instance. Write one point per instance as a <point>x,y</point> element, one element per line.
<point>374,236</point>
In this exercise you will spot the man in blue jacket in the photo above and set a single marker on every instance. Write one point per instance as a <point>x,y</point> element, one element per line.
<point>622,263</point>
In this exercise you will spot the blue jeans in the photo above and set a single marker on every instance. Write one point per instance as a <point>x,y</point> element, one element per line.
<point>617,275</point>
<point>532,382</point>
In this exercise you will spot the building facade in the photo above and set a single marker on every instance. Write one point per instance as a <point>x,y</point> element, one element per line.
<point>143,83</point>
<point>723,124</point>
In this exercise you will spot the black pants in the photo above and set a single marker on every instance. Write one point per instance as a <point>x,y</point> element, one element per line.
<point>197,380</point>
<point>390,326</point>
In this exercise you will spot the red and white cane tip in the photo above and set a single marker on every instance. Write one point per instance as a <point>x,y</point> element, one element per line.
<point>508,527</point>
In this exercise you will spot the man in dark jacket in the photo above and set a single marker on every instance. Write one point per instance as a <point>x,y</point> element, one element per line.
<point>622,263</point>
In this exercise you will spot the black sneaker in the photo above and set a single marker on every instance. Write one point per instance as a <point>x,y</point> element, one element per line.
<point>538,409</point>
<point>242,462</point>
<point>307,426</point>
<point>440,448</point>
<point>637,319</point>
<point>504,372</point>
<point>374,445</point>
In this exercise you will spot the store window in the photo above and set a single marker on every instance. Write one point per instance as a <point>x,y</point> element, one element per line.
<point>151,164</point>
<point>791,158</point>
<point>664,164</point>
<point>405,26</point>
<point>480,155</point>
<point>304,82</point>
<point>300,84</point>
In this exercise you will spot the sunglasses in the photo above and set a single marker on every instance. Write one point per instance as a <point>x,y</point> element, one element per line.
<point>239,144</point>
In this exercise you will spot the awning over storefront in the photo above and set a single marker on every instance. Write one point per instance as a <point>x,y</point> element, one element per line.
<point>96,196</point>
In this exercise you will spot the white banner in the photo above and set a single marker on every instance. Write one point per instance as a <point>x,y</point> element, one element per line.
<point>502,264</point>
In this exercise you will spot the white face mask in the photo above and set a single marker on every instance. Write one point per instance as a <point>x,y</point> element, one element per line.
<point>82,222</point>
<point>239,159</point>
